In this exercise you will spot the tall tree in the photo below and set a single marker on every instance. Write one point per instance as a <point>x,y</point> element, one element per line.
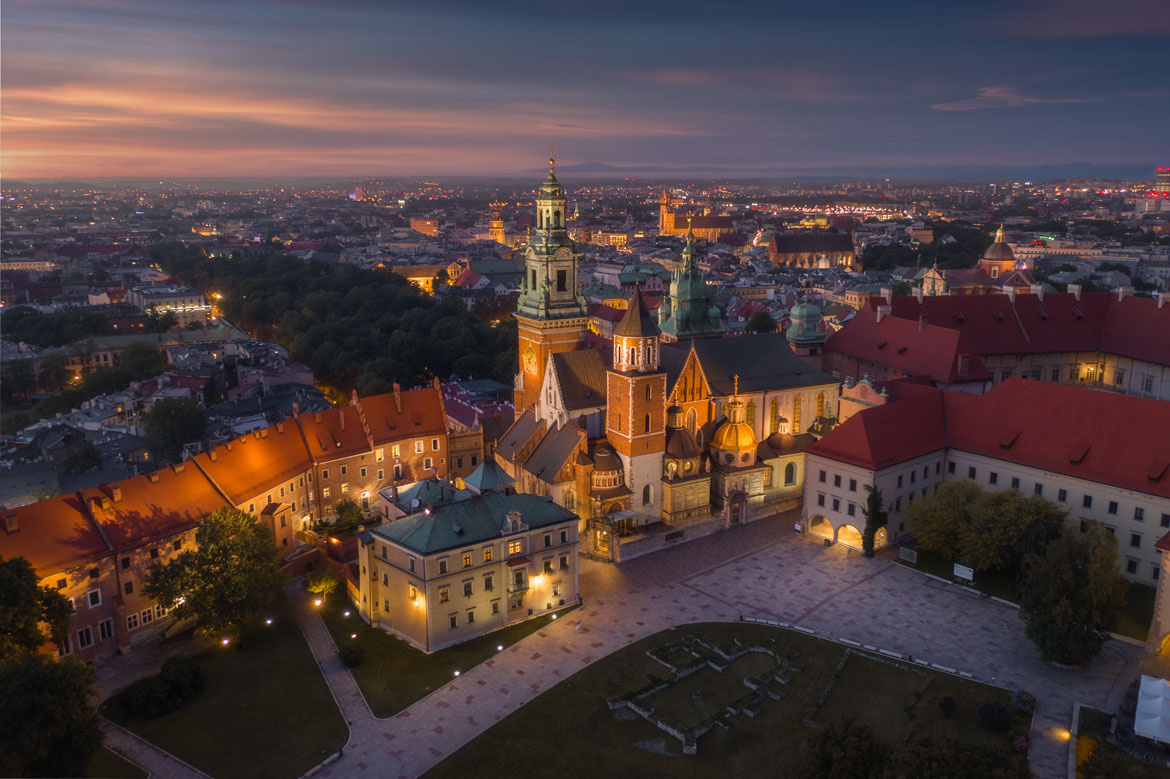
<point>170,424</point>
<point>48,726</point>
<point>1071,594</point>
<point>25,606</point>
<point>940,520</point>
<point>761,322</point>
<point>53,372</point>
<point>231,575</point>
<point>875,518</point>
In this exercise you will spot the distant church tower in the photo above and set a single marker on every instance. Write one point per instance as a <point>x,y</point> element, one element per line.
<point>636,406</point>
<point>665,214</point>
<point>551,309</point>
<point>496,225</point>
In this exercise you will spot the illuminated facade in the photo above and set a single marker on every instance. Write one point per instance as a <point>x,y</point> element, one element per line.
<point>705,226</point>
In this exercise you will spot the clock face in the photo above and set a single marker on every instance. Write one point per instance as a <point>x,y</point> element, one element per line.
<point>530,360</point>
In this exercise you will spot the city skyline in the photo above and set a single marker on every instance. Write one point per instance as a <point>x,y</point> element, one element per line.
<point>123,88</point>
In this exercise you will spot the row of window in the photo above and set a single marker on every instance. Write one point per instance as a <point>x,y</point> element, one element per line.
<point>1112,508</point>
<point>515,547</point>
<point>105,629</point>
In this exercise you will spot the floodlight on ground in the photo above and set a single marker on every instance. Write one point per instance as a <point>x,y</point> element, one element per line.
<point>317,602</point>
<point>347,613</point>
<point>500,648</point>
<point>268,621</point>
<point>225,641</point>
<point>456,673</point>
<point>554,616</point>
<point>353,635</point>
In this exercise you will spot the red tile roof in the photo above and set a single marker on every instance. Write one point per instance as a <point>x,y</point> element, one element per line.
<point>152,507</point>
<point>993,324</point>
<point>907,347</point>
<point>53,535</point>
<point>1088,434</point>
<point>421,414</point>
<point>257,462</point>
<point>334,433</point>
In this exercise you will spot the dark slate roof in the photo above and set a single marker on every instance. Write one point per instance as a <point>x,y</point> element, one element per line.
<point>581,377</point>
<point>553,452</point>
<point>471,521</point>
<point>427,492</point>
<point>637,322</point>
<point>487,476</point>
<point>520,433</point>
<point>763,362</point>
<point>811,242</point>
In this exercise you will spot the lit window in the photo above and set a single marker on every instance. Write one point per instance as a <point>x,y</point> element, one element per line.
<point>467,560</point>
<point>444,594</point>
<point>515,547</point>
<point>487,555</point>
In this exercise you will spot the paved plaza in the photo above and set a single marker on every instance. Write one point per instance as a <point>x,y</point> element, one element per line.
<point>762,570</point>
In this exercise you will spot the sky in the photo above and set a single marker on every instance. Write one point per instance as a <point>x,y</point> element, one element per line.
<point>169,88</point>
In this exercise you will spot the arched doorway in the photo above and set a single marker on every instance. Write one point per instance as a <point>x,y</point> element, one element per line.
<point>848,535</point>
<point>821,527</point>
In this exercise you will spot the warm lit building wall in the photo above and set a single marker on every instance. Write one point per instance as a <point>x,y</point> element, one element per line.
<point>1085,369</point>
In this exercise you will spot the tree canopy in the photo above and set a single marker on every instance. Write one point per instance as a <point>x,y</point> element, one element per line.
<point>225,582</point>
<point>1071,594</point>
<point>355,328</point>
<point>171,423</point>
<point>24,604</point>
<point>761,322</point>
<point>875,518</point>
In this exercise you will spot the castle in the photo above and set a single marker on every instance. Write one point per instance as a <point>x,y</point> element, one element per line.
<point>670,432</point>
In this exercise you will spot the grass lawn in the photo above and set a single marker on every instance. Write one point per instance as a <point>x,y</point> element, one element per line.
<point>1098,759</point>
<point>570,727</point>
<point>393,674</point>
<point>265,711</point>
<point>110,765</point>
<point>1133,621</point>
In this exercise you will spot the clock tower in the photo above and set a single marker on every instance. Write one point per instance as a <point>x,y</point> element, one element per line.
<point>551,308</point>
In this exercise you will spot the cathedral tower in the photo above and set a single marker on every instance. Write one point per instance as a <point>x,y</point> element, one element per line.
<point>689,311</point>
<point>636,407</point>
<point>551,308</point>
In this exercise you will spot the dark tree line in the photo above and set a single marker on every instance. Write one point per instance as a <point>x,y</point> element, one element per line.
<point>355,328</point>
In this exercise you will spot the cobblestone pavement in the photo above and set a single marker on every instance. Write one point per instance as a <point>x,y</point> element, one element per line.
<point>760,571</point>
<point>148,757</point>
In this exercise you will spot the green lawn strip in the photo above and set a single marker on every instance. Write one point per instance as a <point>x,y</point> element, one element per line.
<point>265,710</point>
<point>110,765</point>
<point>1133,621</point>
<point>571,725</point>
<point>1110,760</point>
<point>393,674</point>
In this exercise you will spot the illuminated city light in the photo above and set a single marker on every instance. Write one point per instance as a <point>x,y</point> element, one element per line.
<point>317,602</point>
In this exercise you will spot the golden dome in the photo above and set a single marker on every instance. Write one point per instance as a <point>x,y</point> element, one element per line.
<point>734,437</point>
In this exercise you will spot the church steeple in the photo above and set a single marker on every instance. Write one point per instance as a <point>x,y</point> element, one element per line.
<point>549,290</point>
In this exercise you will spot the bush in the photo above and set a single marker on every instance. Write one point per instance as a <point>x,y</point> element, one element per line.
<point>946,705</point>
<point>351,655</point>
<point>993,715</point>
<point>1023,701</point>
<point>178,682</point>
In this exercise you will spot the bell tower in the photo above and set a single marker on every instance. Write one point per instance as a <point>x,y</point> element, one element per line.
<point>551,309</point>
<point>636,406</point>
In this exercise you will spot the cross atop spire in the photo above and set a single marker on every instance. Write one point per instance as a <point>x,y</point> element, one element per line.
<point>735,378</point>
<point>551,160</point>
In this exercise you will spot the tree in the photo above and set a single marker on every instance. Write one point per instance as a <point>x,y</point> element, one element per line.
<point>48,723</point>
<point>24,605</point>
<point>322,582</point>
<point>875,518</point>
<point>171,423</point>
<point>955,760</point>
<point>939,521</point>
<point>1072,593</point>
<point>53,372</point>
<point>844,750</point>
<point>348,513</point>
<point>224,583</point>
<point>761,322</point>
<point>20,380</point>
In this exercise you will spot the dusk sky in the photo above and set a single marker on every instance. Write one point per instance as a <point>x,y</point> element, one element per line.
<point>349,88</point>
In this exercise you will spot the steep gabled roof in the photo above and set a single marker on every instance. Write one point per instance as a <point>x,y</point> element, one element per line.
<point>763,362</point>
<point>886,435</point>
<point>421,414</point>
<point>637,321</point>
<point>256,462</point>
<point>334,433</point>
<point>54,535</point>
<point>580,375</point>
<point>523,430</point>
<point>553,452</point>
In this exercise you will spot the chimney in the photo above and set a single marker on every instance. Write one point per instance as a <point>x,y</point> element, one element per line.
<point>317,417</point>
<point>341,417</point>
<point>353,397</point>
<point>12,523</point>
<point>1011,293</point>
<point>1123,293</point>
<point>296,409</point>
<point>888,294</point>
<point>398,397</point>
<point>280,427</point>
<point>394,492</point>
<point>1075,289</point>
<point>213,455</point>
<point>921,323</point>
<point>1038,291</point>
<point>883,312</point>
<point>117,494</point>
<point>918,293</point>
<point>1163,299</point>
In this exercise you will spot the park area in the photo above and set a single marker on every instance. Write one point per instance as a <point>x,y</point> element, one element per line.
<point>754,693</point>
<point>264,710</point>
<point>393,674</point>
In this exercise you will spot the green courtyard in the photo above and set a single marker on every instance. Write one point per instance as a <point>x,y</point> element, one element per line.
<point>572,727</point>
<point>393,674</point>
<point>264,711</point>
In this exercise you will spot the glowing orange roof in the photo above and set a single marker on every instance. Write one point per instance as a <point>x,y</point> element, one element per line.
<point>259,461</point>
<point>54,535</point>
<point>334,433</point>
<point>421,414</point>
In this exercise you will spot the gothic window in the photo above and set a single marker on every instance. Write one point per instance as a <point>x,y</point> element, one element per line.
<point>751,413</point>
<point>646,495</point>
<point>533,284</point>
<point>774,417</point>
<point>647,423</point>
<point>692,419</point>
<point>556,220</point>
<point>790,474</point>
<point>647,392</point>
<point>821,404</point>
<point>682,390</point>
<point>796,415</point>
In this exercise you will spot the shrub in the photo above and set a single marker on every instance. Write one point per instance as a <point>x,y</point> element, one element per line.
<point>1023,701</point>
<point>178,682</point>
<point>993,715</point>
<point>351,655</point>
<point>182,677</point>
<point>946,705</point>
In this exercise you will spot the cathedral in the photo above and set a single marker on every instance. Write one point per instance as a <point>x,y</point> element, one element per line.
<point>704,226</point>
<point>673,430</point>
<point>998,270</point>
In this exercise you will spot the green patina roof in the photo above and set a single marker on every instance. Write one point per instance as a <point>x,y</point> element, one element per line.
<point>470,521</point>
<point>488,476</point>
